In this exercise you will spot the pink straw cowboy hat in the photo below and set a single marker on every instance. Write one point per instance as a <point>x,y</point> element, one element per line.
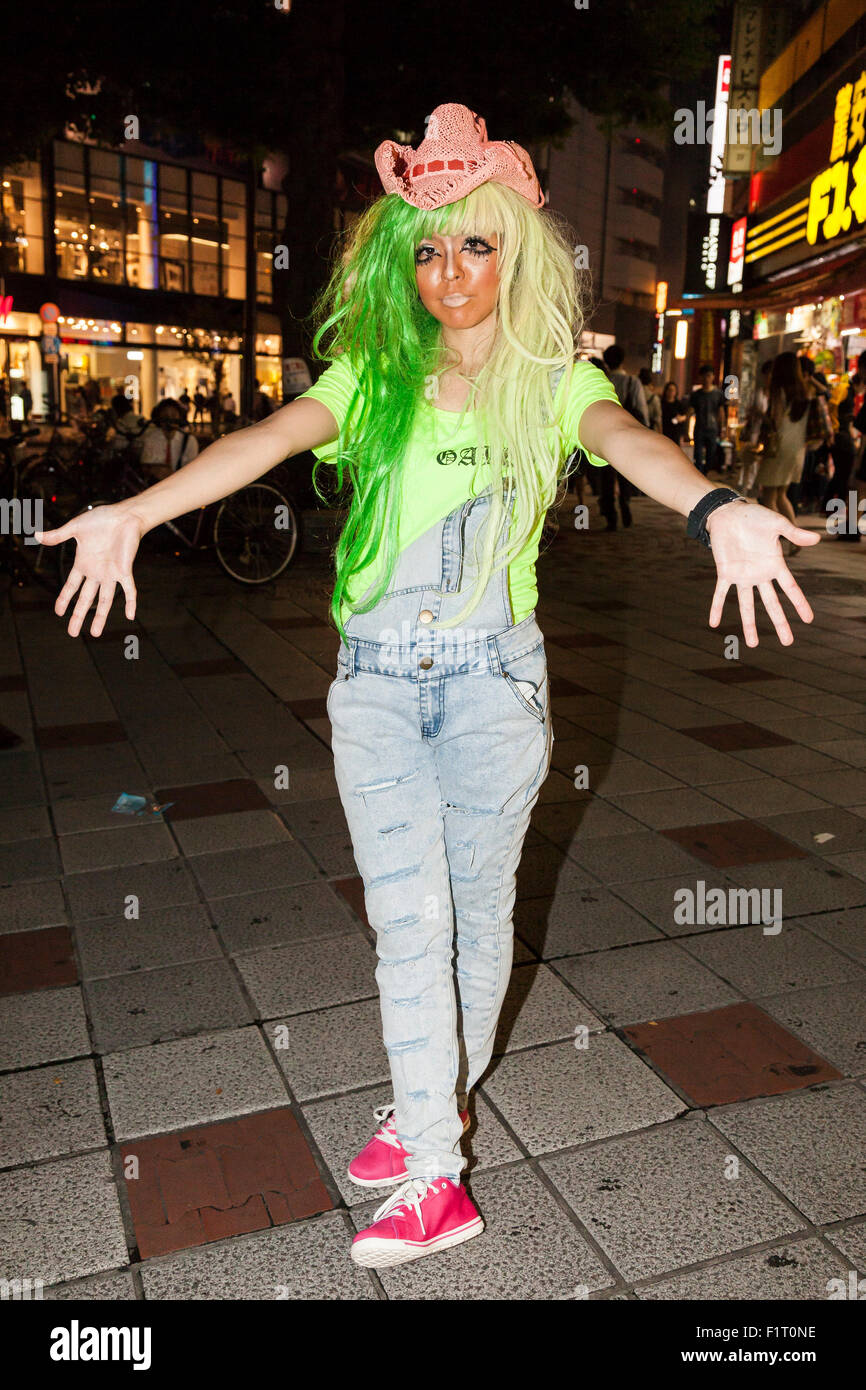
<point>454,157</point>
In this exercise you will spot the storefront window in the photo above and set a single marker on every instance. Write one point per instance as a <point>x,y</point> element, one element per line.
<point>205,234</point>
<point>264,245</point>
<point>234,253</point>
<point>105,256</point>
<point>21,245</point>
<point>71,229</point>
<point>173,228</point>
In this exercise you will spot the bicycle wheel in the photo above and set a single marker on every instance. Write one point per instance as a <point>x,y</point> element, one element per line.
<point>255,534</point>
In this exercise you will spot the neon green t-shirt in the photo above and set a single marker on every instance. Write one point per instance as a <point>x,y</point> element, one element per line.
<point>446,464</point>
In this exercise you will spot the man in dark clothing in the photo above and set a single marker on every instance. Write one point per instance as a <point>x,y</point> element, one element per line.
<point>844,449</point>
<point>631,395</point>
<point>706,403</point>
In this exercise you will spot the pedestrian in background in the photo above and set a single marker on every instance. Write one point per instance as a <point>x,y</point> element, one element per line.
<point>783,433</point>
<point>653,404</point>
<point>631,395</point>
<point>707,404</point>
<point>675,414</point>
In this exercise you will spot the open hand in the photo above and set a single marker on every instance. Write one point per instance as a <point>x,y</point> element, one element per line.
<point>106,539</point>
<point>748,553</point>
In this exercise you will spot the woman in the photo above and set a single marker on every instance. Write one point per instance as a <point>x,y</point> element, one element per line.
<point>784,432</point>
<point>452,401</point>
<point>166,444</point>
<point>674,414</point>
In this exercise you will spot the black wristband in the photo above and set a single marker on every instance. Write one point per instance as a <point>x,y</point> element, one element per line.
<point>696,526</point>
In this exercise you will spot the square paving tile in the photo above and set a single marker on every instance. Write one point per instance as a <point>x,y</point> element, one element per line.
<point>539,1008</point>
<point>27,905</point>
<point>216,666</point>
<point>213,798</point>
<point>735,674</point>
<point>844,930</point>
<point>61,1220</point>
<point>118,1287</point>
<point>799,1270</point>
<point>215,1181</point>
<point>553,1097</point>
<point>311,1049</point>
<point>526,1252</point>
<point>729,1054</point>
<point>104,892</point>
<point>657,979</point>
<point>730,738</point>
<point>236,830</point>
<point>724,843</point>
<point>761,963</point>
<point>32,823</point>
<point>49,1111</point>
<point>809,1145</point>
<point>309,975</point>
<point>230,872</point>
<point>193,1081</point>
<point>307,1260</point>
<point>24,860</point>
<point>36,960</point>
<point>620,858</point>
<point>80,735</point>
<point>152,1006</point>
<point>44,1026</point>
<point>590,919</point>
<point>806,885</point>
<point>658,1201</point>
<point>115,946</point>
<point>831,1019</point>
<point>139,843</point>
<point>673,807</point>
<point>577,641</point>
<point>282,917</point>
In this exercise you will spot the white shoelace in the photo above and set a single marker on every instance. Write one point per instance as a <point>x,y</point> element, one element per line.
<point>388,1136</point>
<point>411,1194</point>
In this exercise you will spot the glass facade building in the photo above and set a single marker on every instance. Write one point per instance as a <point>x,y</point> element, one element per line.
<point>146,259</point>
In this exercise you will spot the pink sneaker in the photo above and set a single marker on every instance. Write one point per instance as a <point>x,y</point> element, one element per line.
<point>418,1219</point>
<point>383,1160</point>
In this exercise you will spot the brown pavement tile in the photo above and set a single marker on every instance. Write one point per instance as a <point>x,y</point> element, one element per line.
<point>733,1053</point>
<point>724,843</point>
<point>286,624</point>
<point>215,1181</point>
<point>306,710</point>
<point>579,640</point>
<point>31,960</point>
<point>11,684</point>
<point>730,738</point>
<point>352,889</point>
<point>213,798</point>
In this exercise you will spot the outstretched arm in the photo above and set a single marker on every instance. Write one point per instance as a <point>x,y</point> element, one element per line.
<point>745,539</point>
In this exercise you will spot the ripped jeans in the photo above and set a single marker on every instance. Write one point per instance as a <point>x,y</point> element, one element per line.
<point>440,751</point>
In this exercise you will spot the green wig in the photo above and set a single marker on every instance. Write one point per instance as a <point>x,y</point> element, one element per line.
<point>372,310</point>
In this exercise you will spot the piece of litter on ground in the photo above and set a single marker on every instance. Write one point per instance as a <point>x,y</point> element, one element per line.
<point>823,837</point>
<point>129,805</point>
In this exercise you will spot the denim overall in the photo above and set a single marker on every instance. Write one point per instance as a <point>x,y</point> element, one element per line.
<point>441,740</point>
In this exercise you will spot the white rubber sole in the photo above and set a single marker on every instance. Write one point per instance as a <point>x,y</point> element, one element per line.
<point>376,1253</point>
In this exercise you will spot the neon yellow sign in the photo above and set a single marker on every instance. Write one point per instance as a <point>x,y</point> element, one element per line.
<point>839,192</point>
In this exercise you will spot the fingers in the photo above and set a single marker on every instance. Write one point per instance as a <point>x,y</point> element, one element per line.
<point>79,613</point>
<point>127,584</point>
<point>746,601</point>
<point>797,535</point>
<point>69,588</point>
<point>103,608</point>
<point>776,613</point>
<point>788,583</point>
<point>718,603</point>
<point>55,537</point>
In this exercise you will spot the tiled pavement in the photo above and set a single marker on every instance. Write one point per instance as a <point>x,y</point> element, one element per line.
<point>190,1047</point>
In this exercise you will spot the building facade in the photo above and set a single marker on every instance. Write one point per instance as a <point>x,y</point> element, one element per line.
<point>151,262</point>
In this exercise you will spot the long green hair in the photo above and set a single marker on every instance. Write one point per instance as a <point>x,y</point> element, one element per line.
<point>371,310</point>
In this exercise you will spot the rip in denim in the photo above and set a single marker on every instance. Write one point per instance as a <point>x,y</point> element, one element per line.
<point>411,1045</point>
